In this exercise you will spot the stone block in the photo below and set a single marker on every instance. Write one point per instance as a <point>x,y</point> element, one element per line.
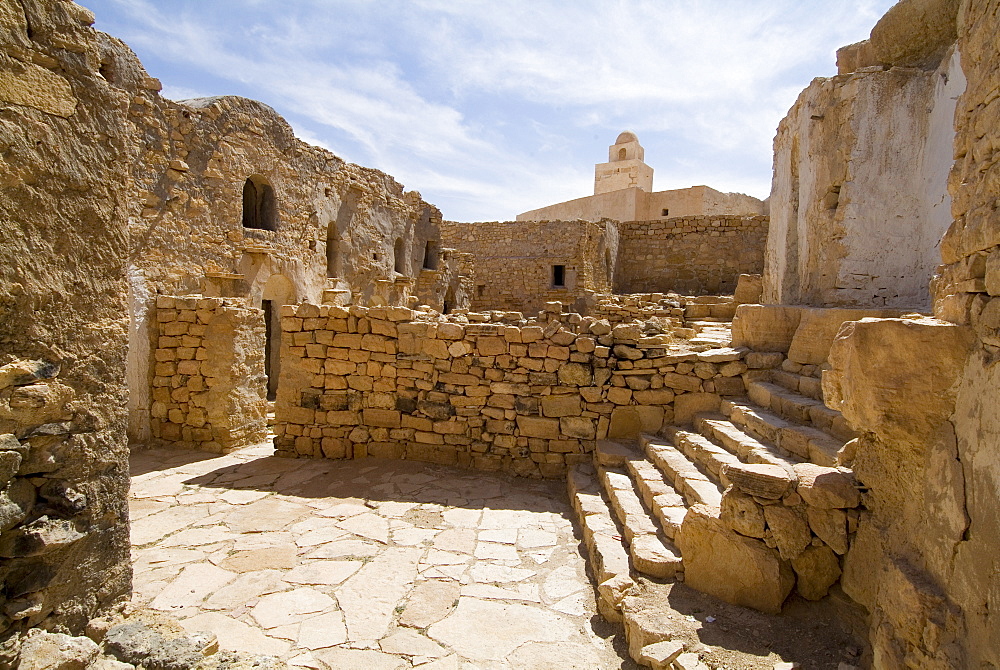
<point>737,569</point>
<point>819,326</point>
<point>579,427</point>
<point>764,481</point>
<point>686,405</point>
<point>826,488</point>
<point>817,569</point>
<point>535,426</point>
<point>740,513</point>
<point>561,405</point>
<point>681,382</point>
<point>575,374</point>
<point>631,421</point>
<point>765,327</point>
<point>383,418</point>
<point>787,529</point>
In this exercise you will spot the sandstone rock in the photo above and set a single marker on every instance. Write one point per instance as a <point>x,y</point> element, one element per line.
<point>788,529</point>
<point>660,655</point>
<point>738,569</point>
<point>749,289</point>
<point>817,569</point>
<point>761,480</point>
<point>826,488</point>
<point>895,377</point>
<point>575,374</point>
<point>626,352</point>
<point>765,327</point>
<point>55,651</point>
<point>829,525</point>
<point>631,421</point>
<point>915,32</point>
<point>687,405</point>
<point>740,513</point>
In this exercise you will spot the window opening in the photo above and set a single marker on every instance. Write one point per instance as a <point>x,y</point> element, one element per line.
<point>559,276</point>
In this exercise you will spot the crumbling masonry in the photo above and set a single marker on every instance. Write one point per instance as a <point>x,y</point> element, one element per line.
<point>169,269</point>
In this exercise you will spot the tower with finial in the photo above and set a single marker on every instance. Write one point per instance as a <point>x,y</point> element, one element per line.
<point>625,167</point>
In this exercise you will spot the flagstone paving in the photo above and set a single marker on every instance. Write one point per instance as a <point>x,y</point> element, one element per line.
<point>365,564</point>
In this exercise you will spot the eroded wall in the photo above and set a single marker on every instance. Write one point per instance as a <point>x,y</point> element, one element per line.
<point>67,148</point>
<point>924,391</point>
<point>859,198</point>
<point>689,255</point>
<point>326,230</point>
<point>513,261</point>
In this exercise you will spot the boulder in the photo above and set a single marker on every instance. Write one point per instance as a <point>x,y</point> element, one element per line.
<point>737,569</point>
<point>817,569</point>
<point>827,488</point>
<point>740,513</point>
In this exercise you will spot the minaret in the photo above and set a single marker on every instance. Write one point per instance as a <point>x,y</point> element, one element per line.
<point>625,167</point>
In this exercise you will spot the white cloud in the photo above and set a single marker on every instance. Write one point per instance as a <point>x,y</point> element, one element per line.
<point>490,108</point>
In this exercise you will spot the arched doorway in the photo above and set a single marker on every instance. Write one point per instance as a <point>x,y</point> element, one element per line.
<point>278,291</point>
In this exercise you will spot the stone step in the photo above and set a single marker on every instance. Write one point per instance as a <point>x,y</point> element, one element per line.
<point>800,408</point>
<point>660,497</point>
<point>748,448</point>
<point>693,483</point>
<point>651,554</point>
<point>810,387</point>
<point>805,442</point>
<point>607,555</point>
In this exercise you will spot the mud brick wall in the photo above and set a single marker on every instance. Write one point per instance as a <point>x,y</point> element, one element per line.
<point>530,400</point>
<point>691,255</point>
<point>209,385</point>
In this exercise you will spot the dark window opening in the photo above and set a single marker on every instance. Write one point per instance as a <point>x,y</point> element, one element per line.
<point>480,289</point>
<point>259,210</point>
<point>431,255</point>
<point>559,276</point>
<point>666,212</point>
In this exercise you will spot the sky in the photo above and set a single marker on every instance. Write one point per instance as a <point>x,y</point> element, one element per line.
<point>494,107</point>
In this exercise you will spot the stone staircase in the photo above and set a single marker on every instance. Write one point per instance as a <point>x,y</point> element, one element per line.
<point>744,504</point>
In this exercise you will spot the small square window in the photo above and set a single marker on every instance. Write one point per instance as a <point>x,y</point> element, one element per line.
<point>666,212</point>
<point>558,276</point>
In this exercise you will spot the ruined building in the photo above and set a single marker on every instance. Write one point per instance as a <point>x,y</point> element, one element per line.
<point>827,433</point>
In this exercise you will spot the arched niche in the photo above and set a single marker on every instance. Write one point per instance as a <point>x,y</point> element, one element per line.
<point>260,210</point>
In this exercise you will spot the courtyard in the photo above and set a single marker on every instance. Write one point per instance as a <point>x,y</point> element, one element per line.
<point>364,563</point>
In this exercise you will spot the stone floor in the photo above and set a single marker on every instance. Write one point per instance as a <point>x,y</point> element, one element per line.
<point>365,564</point>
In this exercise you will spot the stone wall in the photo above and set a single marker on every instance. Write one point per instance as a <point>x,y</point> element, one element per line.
<point>530,400</point>
<point>234,205</point>
<point>209,383</point>
<point>859,200</point>
<point>702,254</point>
<point>64,201</point>
<point>929,453</point>
<point>513,261</point>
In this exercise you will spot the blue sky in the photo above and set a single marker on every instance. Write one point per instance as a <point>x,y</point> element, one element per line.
<point>494,107</point>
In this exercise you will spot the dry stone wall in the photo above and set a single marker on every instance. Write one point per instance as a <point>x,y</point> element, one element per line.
<point>531,400</point>
<point>209,382</point>
<point>64,201</point>
<point>692,255</point>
